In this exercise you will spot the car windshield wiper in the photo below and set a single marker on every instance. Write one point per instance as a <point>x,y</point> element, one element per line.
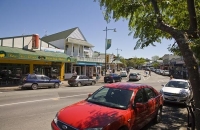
<point>107,104</point>
<point>96,102</point>
<point>117,106</point>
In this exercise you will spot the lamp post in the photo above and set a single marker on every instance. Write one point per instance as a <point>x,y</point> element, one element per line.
<point>106,46</point>
<point>118,50</point>
<point>117,55</point>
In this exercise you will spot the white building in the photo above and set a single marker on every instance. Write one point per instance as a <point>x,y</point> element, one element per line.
<point>75,44</point>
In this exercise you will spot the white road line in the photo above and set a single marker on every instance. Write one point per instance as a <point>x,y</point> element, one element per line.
<point>17,103</point>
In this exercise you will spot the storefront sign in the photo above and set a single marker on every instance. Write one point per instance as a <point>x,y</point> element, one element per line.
<point>180,62</point>
<point>2,54</point>
<point>52,50</point>
<point>41,57</point>
<point>35,57</point>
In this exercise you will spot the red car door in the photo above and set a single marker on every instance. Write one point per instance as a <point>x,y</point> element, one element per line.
<point>140,110</point>
<point>153,103</point>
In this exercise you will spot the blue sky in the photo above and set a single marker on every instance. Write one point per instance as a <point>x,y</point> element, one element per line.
<point>51,16</point>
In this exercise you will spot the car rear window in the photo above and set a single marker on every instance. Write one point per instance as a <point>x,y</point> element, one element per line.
<point>133,74</point>
<point>73,77</point>
<point>108,75</point>
<point>32,77</point>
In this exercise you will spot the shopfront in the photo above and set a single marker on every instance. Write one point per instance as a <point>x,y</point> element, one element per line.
<point>82,68</point>
<point>15,62</point>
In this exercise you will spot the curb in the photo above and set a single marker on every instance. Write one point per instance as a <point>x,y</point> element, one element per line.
<point>17,88</point>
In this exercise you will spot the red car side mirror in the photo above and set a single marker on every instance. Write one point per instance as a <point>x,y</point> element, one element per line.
<point>89,94</point>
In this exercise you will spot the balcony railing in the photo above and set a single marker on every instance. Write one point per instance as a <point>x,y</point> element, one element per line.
<point>90,59</point>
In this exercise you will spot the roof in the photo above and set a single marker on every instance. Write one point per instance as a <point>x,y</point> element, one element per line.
<point>59,35</point>
<point>18,53</point>
<point>126,85</point>
<point>81,42</point>
<point>179,80</point>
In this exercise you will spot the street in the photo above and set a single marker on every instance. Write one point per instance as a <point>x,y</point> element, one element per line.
<point>35,109</point>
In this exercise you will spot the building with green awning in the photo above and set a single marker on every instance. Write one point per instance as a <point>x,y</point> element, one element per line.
<point>21,55</point>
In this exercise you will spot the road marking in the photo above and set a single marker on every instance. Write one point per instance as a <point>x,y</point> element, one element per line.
<point>17,103</point>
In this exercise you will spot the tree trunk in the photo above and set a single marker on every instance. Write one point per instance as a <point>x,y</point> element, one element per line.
<point>192,66</point>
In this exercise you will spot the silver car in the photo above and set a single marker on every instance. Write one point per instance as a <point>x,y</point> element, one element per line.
<point>134,76</point>
<point>80,80</point>
<point>177,91</point>
<point>165,73</point>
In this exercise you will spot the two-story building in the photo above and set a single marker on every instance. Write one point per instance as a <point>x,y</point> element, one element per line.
<point>25,54</point>
<point>166,60</point>
<point>75,44</point>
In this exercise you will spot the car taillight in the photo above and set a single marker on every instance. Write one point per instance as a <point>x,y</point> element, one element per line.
<point>110,76</point>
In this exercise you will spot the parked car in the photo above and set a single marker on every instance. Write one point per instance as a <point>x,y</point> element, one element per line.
<point>177,91</point>
<point>165,73</point>
<point>134,76</point>
<point>35,81</point>
<point>157,71</point>
<point>161,72</point>
<point>80,80</point>
<point>116,106</point>
<point>123,74</point>
<point>112,78</point>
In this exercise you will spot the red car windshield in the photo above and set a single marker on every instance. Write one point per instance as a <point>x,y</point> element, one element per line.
<point>111,97</point>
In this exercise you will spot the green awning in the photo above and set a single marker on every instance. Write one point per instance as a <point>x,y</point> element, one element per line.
<point>18,53</point>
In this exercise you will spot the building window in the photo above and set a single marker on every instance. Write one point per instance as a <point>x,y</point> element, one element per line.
<point>66,47</point>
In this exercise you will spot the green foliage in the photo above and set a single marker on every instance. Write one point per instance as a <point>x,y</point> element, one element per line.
<point>155,64</point>
<point>123,61</point>
<point>134,62</point>
<point>143,20</point>
<point>155,58</point>
<point>195,46</point>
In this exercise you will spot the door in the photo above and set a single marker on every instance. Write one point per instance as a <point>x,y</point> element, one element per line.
<point>141,112</point>
<point>47,81</point>
<point>41,81</point>
<point>153,103</point>
<point>86,79</point>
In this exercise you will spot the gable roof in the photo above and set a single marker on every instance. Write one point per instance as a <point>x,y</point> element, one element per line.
<point>59,35</point>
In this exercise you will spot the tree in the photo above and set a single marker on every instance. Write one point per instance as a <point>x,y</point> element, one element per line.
<point>123,61</point>
<point>155,58</point>
<point>153,20</point>
<point>155,64</point>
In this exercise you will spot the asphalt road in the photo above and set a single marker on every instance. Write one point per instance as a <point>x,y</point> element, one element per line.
<point>35,109</point>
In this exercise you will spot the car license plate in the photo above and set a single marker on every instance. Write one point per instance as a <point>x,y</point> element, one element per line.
<point>171,98</point>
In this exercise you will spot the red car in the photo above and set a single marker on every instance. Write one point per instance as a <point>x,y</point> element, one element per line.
<point>116,106</point>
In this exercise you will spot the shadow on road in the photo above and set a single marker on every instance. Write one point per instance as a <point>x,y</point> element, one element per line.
<point>174,118</point>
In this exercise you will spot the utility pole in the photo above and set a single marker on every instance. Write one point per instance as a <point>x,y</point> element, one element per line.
<point>106,46</point>
<point>117,56</point>
<point>118,50</point>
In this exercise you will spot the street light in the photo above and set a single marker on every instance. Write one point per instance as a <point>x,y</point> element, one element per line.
<point>117,55</point>
<point>106,45</point>
<point>118,50</point>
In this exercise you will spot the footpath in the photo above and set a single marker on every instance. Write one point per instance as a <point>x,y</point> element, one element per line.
<point>63,84</point>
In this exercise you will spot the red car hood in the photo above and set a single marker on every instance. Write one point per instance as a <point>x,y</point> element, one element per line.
<point>88,115</point>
